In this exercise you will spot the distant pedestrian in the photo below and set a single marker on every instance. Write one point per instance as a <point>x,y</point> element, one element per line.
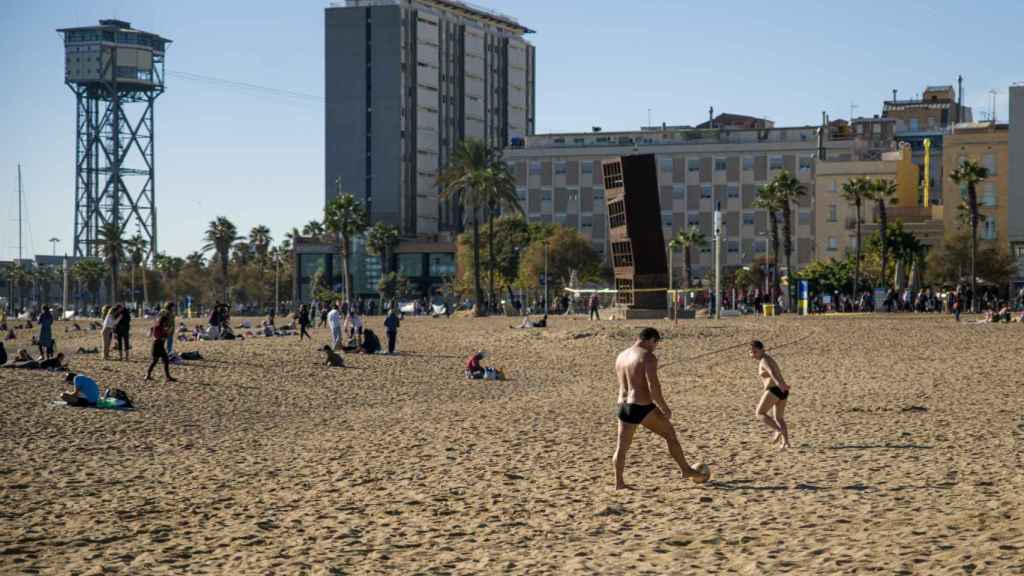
<point>334,323</point>
<point>595,304</point>
<point>46,333</point>
<point>391,324</point>
<point>169,308</point>
<point>108,329</point>
<point>303,318</point>
<point>162,328</point>
<point>122,331</point>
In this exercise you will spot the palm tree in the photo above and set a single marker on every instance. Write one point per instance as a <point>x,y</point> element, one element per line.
<point>19,275</point>
<point>220,236</point>
<point>968,175</point>
<point>89,272</point>
<point>314,229</point>
<point>883,191</point>
<point>170,267</point>
<point>855,191</point>
<point>346,218</point>
<point>111,246</point>
<point>685,239</point>
<point>500,191</point>
<point>464,180</point>
<point>136,247</point>
<point>789,190</point>
<point>381,240</point>
<point>768,200</point>
<point>196,260</point>
<point>261,240</point>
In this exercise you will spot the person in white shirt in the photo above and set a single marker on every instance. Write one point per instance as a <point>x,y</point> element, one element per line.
<point>353,327</point>
<point>334,322</point>
<point>108,331</point>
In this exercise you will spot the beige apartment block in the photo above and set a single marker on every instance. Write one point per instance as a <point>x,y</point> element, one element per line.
<point>558,180</point>
<point>987,144</point>
<point>836,219</point>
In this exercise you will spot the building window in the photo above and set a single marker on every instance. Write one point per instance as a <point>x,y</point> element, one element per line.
<point>410,265</point>
<point>748,218</point>
<point>775,162</point>
<point>545,195</point>
<point>666,220</point>
<point>804,218</point>
<point>666,164</point>
<point>598,196</point>
<point>560,167</point>
<point>748,163</point>
<point>988,197</point>
<point>915,124</point>
<point>805,163</point>
<point>833,244</point>
<point>442,265</point>
<point>833,213</point>
<point>989,162</point>
<point>692,220</point>
<point>989,231</point>
<point>719,164</point>
<point>833,186</point>
<point>693,165</point>
<point>587,167</point>
<point>535,167</point>
<point>734,247</point>
<point>679,193</point>
<point>732,191</point>
<point>705,191</point>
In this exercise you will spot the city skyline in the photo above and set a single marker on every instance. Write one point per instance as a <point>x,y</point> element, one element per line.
<point>220,146</point>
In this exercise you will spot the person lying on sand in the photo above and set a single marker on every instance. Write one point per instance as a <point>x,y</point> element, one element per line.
<point>84,390</point>
<point>641,402</point>
<point>542,323</point>
<point>332,357</point>
<point>474,367</point>
<point>774,397</point>
<point>23,360</point>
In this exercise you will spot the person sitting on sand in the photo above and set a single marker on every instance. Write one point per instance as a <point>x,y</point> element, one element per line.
<point>474,367</point>
<point>11,335</point>
<point>542,323</point>
<point>370,343</point>
<point>3,354</point>
<point>774,397</point>
<point>84,390</point>
<point>54,363</point>
<point>640,402</point>
<point>332,358</point>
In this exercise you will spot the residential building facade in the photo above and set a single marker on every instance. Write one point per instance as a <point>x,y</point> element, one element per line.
<point>1015,181</point>
<point>558,181</point>
<point>987,144</point>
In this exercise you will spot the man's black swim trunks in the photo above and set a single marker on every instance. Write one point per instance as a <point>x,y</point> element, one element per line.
<point>634,413</point>
<point>779,392</point>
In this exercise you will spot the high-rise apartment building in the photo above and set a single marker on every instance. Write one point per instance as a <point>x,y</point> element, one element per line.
<point>406,81</point>
<point>1015,181</point>
<point>987,144</point>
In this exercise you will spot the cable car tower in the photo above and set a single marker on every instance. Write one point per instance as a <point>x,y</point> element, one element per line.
<point>113,70</point>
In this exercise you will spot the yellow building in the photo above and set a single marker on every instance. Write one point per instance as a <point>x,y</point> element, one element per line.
<point>835,220</point>
<point>988,144</point>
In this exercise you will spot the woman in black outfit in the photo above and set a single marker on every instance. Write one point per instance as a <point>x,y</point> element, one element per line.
<point>122,330</point>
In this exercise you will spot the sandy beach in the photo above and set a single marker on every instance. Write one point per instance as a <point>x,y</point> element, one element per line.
<point>908,436</point>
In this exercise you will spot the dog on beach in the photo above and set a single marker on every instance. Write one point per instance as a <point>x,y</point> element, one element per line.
<point>333,358</point>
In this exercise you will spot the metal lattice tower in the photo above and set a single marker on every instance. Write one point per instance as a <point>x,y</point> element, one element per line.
<point>113,70</point>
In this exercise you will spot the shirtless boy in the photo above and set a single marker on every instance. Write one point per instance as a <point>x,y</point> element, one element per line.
<point>641,403</point>
<point>775,394</point>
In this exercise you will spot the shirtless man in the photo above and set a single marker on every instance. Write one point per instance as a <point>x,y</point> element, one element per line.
<point>776,391</point>
<point>641,402</point>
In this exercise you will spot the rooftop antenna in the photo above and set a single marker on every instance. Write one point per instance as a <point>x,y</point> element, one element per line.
<point>960,98</point>
<point>19,211</point>
<point>711,117</point>
<point>993,92</point>
<point>852,108</point>
<point>894,95</point>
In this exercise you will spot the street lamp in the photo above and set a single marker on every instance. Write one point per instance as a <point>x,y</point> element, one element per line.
<point>54,241</point>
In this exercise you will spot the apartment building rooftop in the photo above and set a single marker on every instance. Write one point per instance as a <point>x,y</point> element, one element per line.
<point>466,8</point>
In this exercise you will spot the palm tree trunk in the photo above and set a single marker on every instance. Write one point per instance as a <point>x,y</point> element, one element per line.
<point>972,198</point>
<point>774,233</point>
<point>686,266</point>
<point>490,254</point>
<point>344,269</point>
<point>787,247</point>
<point>884,221</point>
<point>856,265</point>
<point>477,288</point>
<point>145,289</point>
<point>115,270</point>
<point>224,275</point>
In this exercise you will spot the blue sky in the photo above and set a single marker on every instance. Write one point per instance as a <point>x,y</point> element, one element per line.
<point>258,158</point>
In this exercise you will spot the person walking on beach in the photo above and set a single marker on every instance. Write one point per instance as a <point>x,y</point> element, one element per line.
<point>46,333</point>
<point>595,304</point>
<point>775,394</point>
<point>161,329</point>
<point>108,330</point>
<point>640,402</point>
<point>169,308</point>
<point>122,331</point>
<point>303,317</point>
<point>334,322</point>
<point>391,324</point>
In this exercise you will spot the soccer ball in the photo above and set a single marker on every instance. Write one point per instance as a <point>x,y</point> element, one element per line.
<point>705,471</point>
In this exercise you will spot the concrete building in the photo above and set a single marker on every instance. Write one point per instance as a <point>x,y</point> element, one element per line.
<point>406,81</point>
<point>987,144</point>
<point>558,180</point>
<point>836,220</point>
<point>1015,181</point>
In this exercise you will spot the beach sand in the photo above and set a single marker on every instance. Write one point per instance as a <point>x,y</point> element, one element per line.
<point>908,436</point>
